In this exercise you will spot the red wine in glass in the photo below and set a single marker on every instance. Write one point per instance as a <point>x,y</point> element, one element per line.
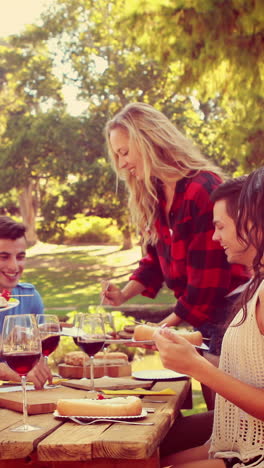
<point>91,347</point>
<point>49,329</point>
<point>21,363</point>
<point>91,338</point>
<point>49,344</point>
<point>75,339</point>
<point>21,349</point>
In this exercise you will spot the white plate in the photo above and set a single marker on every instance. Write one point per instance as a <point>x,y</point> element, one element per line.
<point>130,341</point>
<point>203,347</point>
<point>145,342</point>
<point>160,374</point>
<point>71,331</point>
<point>118,341</point>
<point>11,305</point>
<point>104,418</point>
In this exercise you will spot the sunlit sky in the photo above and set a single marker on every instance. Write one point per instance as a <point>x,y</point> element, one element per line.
<point>14,16</point>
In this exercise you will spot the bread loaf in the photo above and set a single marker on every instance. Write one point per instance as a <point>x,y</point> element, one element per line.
<point>120,406</point>
<point>111,358</point>
<point>146,332</point>
<point>75,358</point>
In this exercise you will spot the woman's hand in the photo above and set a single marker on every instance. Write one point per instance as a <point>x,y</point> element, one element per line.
<point>111,294</point>
<point>176,352</point>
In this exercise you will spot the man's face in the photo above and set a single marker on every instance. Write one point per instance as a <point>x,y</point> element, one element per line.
<point>225,234</point>
<point>12,261</point>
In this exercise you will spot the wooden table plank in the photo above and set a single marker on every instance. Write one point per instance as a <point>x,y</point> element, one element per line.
<point>18,444</point>
<point>136,442</point>
<point>70,442</point>
<point>33,462</point>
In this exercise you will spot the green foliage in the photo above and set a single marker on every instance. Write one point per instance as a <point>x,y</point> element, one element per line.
<point>91,230</point>
<point>200,62</point>
<point>215,49</point>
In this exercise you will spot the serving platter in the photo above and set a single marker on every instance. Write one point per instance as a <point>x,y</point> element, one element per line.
<point>71,331</point>
<point>11,304</point>
<point>130,342</point>
<point>143,414</point>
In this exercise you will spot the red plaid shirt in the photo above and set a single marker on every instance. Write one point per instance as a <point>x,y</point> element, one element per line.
<point>185,256</point>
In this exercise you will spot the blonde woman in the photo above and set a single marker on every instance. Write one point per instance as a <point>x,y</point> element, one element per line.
<point>169,183</point>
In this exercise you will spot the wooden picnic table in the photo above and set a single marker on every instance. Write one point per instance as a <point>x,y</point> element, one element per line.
<point>62,443</point>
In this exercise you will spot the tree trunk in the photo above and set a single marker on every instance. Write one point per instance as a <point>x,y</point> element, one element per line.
<point>28,210</point>
<point>127,241</point>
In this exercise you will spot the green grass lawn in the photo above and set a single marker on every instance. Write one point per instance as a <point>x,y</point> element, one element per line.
<point>69,279</point>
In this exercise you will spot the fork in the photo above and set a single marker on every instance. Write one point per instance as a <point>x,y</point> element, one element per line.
<point>76,420</point>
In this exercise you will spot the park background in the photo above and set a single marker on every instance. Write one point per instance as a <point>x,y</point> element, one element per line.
<point>63,75</point>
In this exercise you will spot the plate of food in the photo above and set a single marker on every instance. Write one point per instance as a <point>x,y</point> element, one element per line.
<point>103,408</point>
<point>158,374</point>
<point>6,305</point>
<point>143,414</point>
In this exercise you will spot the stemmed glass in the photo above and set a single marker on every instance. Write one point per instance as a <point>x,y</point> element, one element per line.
<point>21,349</point>
<point>49,328</point>
<point>77,326</point>
<point>110,333</point>
<point>91,339</point>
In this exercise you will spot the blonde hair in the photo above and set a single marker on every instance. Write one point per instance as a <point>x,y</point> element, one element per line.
<point>164,150</point>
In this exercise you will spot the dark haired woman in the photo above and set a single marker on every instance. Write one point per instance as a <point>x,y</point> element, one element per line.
<point>238,431</point>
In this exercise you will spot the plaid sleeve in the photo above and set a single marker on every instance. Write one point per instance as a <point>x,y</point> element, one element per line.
<point>149,273</point>
<point>207,270</point>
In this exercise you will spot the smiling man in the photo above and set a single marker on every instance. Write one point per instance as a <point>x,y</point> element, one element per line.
<point>12,262</point>
<point>225,199</point>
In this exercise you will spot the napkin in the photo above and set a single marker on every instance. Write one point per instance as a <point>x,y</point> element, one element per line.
<point>55,381</point>
<point>9,382</point>
<point>140,391</point>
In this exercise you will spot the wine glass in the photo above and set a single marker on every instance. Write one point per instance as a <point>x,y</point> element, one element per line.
<point>91,339</point>
<point>49,328</point>
<point>110,334</point>
<point>76,326</point>
<point>21,349</point>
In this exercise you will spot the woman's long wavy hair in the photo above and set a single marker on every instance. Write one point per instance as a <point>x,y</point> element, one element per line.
<point>250,229</point>
<point>164,150</point>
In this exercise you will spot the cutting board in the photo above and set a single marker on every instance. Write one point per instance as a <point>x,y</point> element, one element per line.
<point>39,401</point>
<point>109,383</point>
<point>44,401</point>
<point>76,372</point>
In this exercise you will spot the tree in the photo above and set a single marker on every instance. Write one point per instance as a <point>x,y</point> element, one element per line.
<point>26,84</point>
<point>216,50</point>
<point>36,148</point>
<point>86,33</point>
